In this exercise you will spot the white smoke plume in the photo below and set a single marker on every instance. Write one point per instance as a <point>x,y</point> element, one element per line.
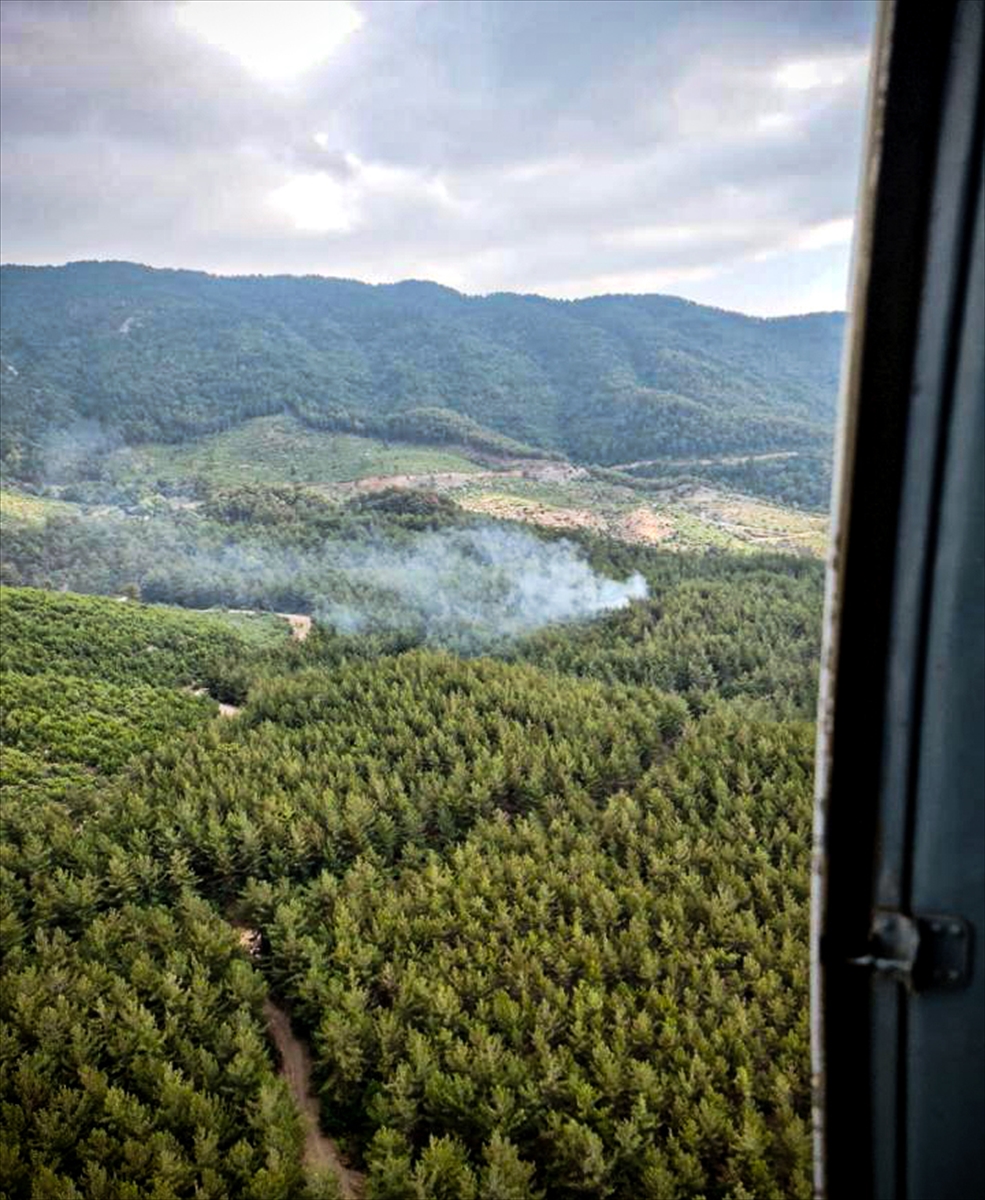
<point>463,587</point>
<point>489,581</point>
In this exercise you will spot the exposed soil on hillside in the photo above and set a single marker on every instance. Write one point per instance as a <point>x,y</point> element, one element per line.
<point>538,470</point>
<point>299,623</point>
<point>515,508</point>
<point>644,525</point>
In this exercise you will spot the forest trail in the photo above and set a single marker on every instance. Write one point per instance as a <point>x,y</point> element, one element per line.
<point>299,623</point>
<point>225,710</point>
<point>320,1152</point>
<point>727,460</point>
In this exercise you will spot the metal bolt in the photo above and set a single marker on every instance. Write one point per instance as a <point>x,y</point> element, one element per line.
<point>935,926</point>
<point>957,930</point>
<point>954,975</point>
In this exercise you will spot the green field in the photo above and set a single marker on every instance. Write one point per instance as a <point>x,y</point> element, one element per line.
<point>697,519</point>
<point>254,630</point>
<point>19,507</point>
<point>279,450</point>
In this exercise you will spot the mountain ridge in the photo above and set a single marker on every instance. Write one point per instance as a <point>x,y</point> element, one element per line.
<point>162,354</point>
<point>415,281</point>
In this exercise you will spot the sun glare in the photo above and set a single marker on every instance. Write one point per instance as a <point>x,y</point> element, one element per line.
<point>316,203</point>
<point>811,74</point>
<point>837,232</point>
<point>274,39</point>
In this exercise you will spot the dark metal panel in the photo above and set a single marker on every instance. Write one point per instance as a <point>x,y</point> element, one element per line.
<point>858,1016</point>
<point>891,1065</point>
<point>946,1031</point>
<point>952,191</point>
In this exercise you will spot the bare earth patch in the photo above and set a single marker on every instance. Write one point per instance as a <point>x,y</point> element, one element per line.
<point>758,523</point>
<point>299,623</point>
<point>644,525</point>
<point>225,710</point>
<point>515,508</point>
<point>538,470</point>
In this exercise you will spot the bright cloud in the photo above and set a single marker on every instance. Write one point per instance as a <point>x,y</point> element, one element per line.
<point>690,146</point>
<point>316,203</point>
<point>812,74</point>
<point>828,233</point>
<point>274,39</point>
<point>322,202</point>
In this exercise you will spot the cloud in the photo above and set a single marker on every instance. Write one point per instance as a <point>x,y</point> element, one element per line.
<point>533,146</point>
<point>274,39</point>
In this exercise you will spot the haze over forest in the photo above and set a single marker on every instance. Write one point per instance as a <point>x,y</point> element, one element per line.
<point>410,623</point>
<point>160,355</point>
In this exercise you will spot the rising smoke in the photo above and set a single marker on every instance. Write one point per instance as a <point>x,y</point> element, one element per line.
<point>485,582</point>
<point>464,587</point>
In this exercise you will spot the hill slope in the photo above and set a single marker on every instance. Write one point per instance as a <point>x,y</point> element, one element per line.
<point>102,353</point>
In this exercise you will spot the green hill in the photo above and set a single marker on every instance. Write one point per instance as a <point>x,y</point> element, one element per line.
<point>95,355</point>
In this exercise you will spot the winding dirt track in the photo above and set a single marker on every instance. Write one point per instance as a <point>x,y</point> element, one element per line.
<point>728,460</point>
<point>320,1152</point>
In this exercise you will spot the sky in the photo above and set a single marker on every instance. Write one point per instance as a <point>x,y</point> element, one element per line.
<point>707,149</point>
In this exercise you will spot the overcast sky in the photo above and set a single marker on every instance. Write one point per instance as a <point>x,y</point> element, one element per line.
<point>707,149</point>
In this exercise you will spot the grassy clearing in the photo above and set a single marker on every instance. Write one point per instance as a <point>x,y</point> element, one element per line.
<point>281,450</point>
<point>707,519</point>
<point>753,523</point>
<point>606,499</point>
<point>257,630</point>
<point>19,507</point>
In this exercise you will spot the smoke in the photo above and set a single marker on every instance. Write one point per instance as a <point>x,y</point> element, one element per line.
<point>466,588</point>
<point>77,451</point>
<point>478,583</point>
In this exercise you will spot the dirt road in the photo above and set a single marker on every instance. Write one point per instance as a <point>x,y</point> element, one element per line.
<point>320,1152</point>
<point>225,710</point>
<point>729,460</point>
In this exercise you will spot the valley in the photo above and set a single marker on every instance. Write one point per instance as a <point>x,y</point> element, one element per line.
<point>553,494</point>
<point>407,729</point>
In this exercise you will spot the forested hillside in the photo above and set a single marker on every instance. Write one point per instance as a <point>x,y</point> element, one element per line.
<point>516,841</point>
<point>541,917</point>
<point>95,354</point>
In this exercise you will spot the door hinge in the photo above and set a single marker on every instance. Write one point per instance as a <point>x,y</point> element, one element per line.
<point>926,953</point>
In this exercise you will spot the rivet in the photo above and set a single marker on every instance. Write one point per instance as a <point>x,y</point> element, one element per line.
<point>935,926</point>
<point>957,930</point>
<point>952,975</point>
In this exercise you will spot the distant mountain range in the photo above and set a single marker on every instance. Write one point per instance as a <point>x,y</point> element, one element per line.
<point>127,353</point>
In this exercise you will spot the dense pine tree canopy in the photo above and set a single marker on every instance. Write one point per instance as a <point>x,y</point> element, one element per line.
<point>520,829</point>
<point>540,916</point>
